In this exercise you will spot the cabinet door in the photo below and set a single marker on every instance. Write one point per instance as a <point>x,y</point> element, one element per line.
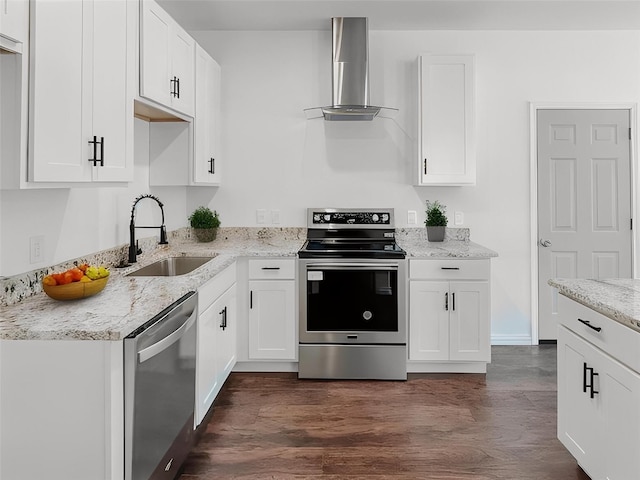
<point>469,321</point>
<point>207,358</point>
<point>206,161</point>
<point>226,339</point>
<point>619,389</point>
<point>447,125</point>
<point>13,19</point>
<point>272,325</point>
<point>155,48</point>
<point>579,416</point>
<point>113,63</point>
<point>59,104</point>
<point>428,320</point>
<point>182,54</point>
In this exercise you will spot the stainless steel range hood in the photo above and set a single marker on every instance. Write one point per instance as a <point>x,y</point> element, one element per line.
<point>350,69</point>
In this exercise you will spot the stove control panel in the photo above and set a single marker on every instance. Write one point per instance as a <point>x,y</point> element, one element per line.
<point>339,218</point>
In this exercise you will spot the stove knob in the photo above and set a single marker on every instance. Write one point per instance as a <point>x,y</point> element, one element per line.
<point>327,217</point>
<point>375,217</point>
<point>385,217</point>
<point>316,217</point>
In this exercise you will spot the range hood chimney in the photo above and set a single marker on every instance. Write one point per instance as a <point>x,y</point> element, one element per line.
<point>350,74</point>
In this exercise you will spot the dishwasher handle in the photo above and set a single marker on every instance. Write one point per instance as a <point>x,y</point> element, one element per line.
<point>153,350</point>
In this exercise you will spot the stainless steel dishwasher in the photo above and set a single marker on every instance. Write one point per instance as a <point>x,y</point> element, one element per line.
<point>159,391</point>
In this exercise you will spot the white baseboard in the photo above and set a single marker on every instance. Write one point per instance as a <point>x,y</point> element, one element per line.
<point>266,367</point>
<point>511,340</point>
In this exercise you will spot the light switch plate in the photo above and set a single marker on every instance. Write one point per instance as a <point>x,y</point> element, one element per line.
<point>412,217</point>
<point>275,216</point>
<point>458,218</point>
<point>36,247</point>
<point>261,216</point>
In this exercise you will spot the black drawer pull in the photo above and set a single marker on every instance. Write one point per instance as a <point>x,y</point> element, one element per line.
<point>270,268</point>
<point>449,268</point>
<point>586,322</point>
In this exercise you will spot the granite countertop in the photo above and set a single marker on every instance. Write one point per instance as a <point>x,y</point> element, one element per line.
<point>128,302</point>
<point>617,298</point>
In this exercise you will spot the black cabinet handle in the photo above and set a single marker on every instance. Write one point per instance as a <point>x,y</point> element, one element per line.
<point>593,391</point>
<point>175,87</point>
<point>251,299</point>
<point>95,158</point>
<point>223,312</point>
<point>270,268</point>
<point>446,301</point>
<point>453,301</point>
<point>588,324</point>
<point>212,165</point>
<point>449,268</point>
<point>590,383</point>
<point>425,166</point>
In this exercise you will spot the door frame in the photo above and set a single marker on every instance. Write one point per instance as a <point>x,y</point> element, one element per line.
<point>533,165</point>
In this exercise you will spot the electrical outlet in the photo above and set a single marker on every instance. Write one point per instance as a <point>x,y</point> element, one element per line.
<point>36,249</point>
<point>275,216</point>
<point>261,216</point>
<point>412,217</point>
<point>458,218</point>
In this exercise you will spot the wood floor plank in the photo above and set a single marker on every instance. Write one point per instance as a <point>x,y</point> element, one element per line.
<point>436,427</point>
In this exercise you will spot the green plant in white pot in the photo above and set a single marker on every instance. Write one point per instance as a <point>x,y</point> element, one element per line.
<point>204,223</point>
<point>436,221</point>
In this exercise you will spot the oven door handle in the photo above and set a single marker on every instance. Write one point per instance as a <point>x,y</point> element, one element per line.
<point>342,265</point>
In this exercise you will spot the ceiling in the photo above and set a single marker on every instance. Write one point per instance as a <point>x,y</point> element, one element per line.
<point>198,15</point>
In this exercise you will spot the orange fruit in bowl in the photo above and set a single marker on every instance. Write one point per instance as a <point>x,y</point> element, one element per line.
<point>76,274</point>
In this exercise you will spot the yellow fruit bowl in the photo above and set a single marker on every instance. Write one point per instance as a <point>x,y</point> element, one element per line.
<point>75,290</point>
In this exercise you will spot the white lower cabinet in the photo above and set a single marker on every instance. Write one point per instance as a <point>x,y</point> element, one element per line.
<point>61,410</point>
<point>449,312</point>
<point>272,309</point>
<point>598,398</point>
<point>217,329</point>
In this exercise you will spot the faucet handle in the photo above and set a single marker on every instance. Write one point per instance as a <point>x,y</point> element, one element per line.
<point>138,249</point>
<point>163,236</point>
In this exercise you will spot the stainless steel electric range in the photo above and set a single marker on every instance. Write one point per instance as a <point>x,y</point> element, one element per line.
<point>353,296</point>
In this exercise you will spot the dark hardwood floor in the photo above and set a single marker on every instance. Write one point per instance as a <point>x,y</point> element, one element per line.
<point>437,426</point>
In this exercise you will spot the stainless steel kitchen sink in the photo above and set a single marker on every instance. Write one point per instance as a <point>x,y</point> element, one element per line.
<point>170,267</point>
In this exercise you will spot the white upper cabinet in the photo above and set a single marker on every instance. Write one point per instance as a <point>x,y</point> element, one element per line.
<point>447,120</point>
<point>14,22</point>
<point>81,94</point>
<point>167,56</point>
<point>206,162</point>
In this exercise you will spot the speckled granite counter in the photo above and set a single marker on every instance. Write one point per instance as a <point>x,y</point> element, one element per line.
<point>127,302</point>
<point>618,299</point>
<point>456,244</point>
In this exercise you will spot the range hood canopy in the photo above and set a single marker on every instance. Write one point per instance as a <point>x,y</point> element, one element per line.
<point>350,74</point>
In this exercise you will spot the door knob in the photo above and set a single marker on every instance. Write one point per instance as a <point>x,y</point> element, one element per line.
<point>544,243</point>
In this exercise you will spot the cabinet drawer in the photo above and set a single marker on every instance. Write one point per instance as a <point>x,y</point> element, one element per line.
<point>272,268</point>
<point>617,340</point>
<point>210,291</point>
<point>448,269</point>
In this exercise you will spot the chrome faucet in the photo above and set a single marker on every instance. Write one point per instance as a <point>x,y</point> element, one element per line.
<point>134,250</point>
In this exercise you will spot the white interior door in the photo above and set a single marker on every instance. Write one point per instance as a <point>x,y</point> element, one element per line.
<point>584,201</point>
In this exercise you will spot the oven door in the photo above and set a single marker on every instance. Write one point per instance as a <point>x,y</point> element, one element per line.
<point>353,302</point>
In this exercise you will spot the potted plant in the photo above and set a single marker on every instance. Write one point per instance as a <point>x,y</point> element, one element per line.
<point>204,223</point>
<point>436,221</point>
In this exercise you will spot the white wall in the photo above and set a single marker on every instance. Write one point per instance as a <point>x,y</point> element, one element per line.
<point>83,220</point>
<point>275,159</point>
